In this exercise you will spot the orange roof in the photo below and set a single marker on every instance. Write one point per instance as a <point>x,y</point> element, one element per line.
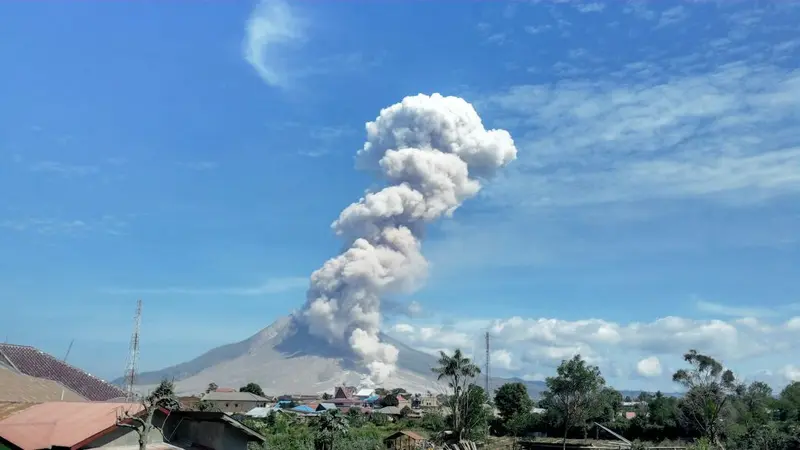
<point>62,424</point>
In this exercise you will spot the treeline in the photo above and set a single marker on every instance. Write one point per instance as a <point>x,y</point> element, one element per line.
<point>716,411</point>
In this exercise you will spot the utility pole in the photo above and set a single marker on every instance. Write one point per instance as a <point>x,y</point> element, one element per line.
<point>68,350</point>
<point>489,394</point>
<point>132,366</point>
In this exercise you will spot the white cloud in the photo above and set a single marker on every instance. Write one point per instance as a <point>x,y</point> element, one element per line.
<point>793,323</point>
<point>272,286</point>
<point>107,224</point>
<point>791,373</point>
<point>271,26</point>
<point>538,345</point>
<point>502,359</point>
<point>199,165</point>
<point>649,367</point>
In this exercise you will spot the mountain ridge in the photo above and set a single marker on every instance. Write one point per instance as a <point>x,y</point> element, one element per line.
<point>285,358</point>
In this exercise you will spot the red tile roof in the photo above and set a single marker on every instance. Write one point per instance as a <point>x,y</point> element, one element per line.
<point>35,363</point>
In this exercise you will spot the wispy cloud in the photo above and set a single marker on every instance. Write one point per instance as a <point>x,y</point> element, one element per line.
<point>60,227</point>
<point>590,7</point>
<point>271,26</point>
<point>272,286</point>
<point>719,309</point>
<point>199,165</point>
<point>671,16</point>
<point>64,169</point>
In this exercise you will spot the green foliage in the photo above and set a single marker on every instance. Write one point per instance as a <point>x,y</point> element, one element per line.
<point>433,421</point>
<point>252,388</point>
<point>459,371</point>
<point>405,412</point>
<point>390,400</point>
<point>573,394</point>
<point>211,387</point>
<point>203,405</point>
<point>378,419</point>
<point>329,427</point>
<point>164,395</point>
<point>512,399</point>
<point>326,396</point>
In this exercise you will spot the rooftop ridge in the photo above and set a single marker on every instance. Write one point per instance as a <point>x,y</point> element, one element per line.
<point>48,355</point>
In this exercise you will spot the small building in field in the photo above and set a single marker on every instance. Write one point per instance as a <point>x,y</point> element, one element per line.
<point>403,440</point>
<point>235,402</point>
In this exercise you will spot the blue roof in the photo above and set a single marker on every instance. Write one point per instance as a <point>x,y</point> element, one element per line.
<point>372,398</point>
<point>303,408</point>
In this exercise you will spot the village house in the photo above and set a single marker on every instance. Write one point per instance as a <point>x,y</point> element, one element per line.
<point>234,402</point>
<point>77,425</point>
<point>403,401</point>
<point>429,402</point>
<point>343,397</point>
<point>403,440</point>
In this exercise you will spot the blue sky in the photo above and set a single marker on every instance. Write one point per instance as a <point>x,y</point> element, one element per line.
<point>194,154</point>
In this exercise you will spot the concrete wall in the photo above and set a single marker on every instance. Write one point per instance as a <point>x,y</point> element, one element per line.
<point>126,436</point>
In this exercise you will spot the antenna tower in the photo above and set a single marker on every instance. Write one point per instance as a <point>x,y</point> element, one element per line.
<point>68,350</point>
<point>132,367</point>
<point>487,365</point>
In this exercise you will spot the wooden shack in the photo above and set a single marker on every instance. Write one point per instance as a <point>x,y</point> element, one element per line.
<point>403,440</point>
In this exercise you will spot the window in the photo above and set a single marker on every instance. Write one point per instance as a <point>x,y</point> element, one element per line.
<point>235,405</point>
<point>226,405</point>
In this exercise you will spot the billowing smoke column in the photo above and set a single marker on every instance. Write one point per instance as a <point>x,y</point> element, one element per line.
<point>432,151</point>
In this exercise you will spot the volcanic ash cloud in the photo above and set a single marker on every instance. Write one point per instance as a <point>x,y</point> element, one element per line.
<point>432,152</point>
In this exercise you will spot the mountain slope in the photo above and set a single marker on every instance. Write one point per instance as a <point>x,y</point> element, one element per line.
<point>285,358</point>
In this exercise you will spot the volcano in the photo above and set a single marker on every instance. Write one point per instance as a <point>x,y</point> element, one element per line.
<point>285,358</point>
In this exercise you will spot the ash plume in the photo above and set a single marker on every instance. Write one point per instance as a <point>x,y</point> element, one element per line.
<point>432,152</point>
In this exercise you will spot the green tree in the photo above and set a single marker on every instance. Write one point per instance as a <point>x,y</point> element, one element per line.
<point>329,426</point>
<point>608,406</point>
<point>458,371</point>
<point>211,387</point>
<point>433,421</point>
<point>164,395</point>
<point>708,387</point>
<point>573,393</point>
<point>474,413</point>
<point>390,400</point>
<point>355,417</point>
<point>252,388</point>
<point>398,391</point>
<point>512,399</point>
<point>326,396</point>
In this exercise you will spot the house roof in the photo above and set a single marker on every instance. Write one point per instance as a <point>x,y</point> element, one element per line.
<point>62,424</point>
<point>342,392</point>
<point>30,361</point>
<point>326,406</point>
<point>410,434</point>
<point>213,416</point>
<point>304,409</point>
<point>18,387</point>
<point>390,410</point>
<point>365,392</point>
<point>234,397</point>
<point>9,408</point>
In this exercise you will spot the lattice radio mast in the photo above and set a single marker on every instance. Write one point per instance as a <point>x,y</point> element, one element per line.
<point>487,365</point>
<point>132,367</point>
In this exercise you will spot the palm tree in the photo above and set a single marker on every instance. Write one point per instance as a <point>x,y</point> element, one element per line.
<point>458,370</point>
<point>329,425</point>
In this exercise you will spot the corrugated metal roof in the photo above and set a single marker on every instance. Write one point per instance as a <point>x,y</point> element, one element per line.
<point>234,397</point>
<point>30,361</point>
<point>62,424</point>
<point>18,387</point>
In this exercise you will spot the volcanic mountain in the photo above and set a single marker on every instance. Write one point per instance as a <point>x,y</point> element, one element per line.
<point>286,358</point>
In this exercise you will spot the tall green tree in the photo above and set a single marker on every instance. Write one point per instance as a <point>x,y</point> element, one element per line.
<point>330,426</point>
<point>252,388</point>
<point>511,399</point>
<point>164,395</point>
<point>708,386</point>
<point>211,387</point>
<point>573,393</point>
<point>459,372</point>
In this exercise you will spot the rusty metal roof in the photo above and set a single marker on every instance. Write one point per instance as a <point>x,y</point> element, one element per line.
<point>62,424</point>
<point>30,361</point>
<point>18,387</point>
